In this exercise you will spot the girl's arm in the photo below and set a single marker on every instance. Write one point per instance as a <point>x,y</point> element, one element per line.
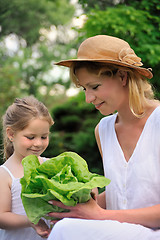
<point>9,220</point>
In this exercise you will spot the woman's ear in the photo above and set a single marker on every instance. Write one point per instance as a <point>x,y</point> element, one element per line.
<point>123,76</point>
<point>10,133</point>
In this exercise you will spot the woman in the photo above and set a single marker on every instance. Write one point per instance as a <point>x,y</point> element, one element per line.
<point>128,139</point>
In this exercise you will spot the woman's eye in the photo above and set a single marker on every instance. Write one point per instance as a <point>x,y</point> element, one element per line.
<point>96,87</point>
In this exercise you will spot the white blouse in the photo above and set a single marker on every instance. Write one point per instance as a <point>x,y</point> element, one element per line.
<point>136,183</point>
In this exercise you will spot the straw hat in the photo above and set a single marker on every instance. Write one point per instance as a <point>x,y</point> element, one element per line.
<point>108,49</point>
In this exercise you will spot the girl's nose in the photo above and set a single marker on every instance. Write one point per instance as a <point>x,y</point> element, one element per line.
<point>90,97</point>
<point>37,142</point>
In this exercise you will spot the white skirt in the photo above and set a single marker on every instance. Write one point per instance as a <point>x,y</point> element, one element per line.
<point>82,229</point>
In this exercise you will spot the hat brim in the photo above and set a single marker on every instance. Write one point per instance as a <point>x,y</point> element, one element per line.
<point>143,71</point>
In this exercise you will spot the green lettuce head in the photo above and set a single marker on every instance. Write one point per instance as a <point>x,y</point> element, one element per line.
<point>65,178</point>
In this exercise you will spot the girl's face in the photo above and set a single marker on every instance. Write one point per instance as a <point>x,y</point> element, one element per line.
<point>106,93</point>
<point>34,139</point>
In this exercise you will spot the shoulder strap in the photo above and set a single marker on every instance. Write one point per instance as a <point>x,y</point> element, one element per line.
<point>8,171</point>
<point>44,159</point>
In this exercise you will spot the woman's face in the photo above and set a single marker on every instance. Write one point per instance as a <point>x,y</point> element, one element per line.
<point>108,94</point>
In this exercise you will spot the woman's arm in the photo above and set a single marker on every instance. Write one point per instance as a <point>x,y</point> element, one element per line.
<point>98,139</point>
<point>148,217</point>
<point>101,200</point>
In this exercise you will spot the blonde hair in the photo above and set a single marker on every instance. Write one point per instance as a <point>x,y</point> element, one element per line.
<point>140,90</point>
<point>18,117</point>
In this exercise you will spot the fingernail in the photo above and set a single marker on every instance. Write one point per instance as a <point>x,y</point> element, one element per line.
<point>50,202</point>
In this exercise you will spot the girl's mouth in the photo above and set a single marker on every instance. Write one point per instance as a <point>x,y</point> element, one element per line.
<point>35,150</point>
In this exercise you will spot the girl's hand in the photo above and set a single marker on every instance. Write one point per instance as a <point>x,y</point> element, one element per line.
<point>42,228</point>
<point>88,210</point>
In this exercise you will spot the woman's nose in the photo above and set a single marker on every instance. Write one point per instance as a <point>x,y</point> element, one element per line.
<point>90,97</point>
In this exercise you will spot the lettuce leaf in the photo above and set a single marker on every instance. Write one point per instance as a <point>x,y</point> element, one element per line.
<point>65,178</point>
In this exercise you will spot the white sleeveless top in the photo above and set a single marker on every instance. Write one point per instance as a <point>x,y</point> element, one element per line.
<point>17,207</point>
<point>136,183</point>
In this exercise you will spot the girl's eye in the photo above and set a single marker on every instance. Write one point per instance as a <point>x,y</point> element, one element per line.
<point>30,138</point>
<point>44,137</point>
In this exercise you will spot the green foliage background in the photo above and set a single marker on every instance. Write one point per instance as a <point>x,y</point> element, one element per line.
<point>26,18</point>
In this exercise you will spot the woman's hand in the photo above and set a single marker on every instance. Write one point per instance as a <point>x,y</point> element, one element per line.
<point>88,210</point>
<point>41,228</point>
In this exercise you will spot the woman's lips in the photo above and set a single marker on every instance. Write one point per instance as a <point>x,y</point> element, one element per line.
<point>97,106</point>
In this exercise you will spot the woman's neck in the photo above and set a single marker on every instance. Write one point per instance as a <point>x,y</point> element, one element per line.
<point>126,116</point>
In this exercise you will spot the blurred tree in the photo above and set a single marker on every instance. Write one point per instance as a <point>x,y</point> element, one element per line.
<point>87,5</point>
<point>9,80</point>
<point>10,87</point>
<point>29,63</point>
<point>32,68</point>
<point>26,18</point>
<point>153,7</point>
<point>150,6</point>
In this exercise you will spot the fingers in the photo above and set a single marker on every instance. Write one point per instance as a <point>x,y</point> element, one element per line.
<point>93,195</point>
<point>42,229</point>
<point>81,210</point>
<point>54,221</point>
<point>45,234</point>
<point>59,204</point>
<point>60,215</point>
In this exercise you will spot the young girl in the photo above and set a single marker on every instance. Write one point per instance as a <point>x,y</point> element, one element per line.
<point>26,126</point>
<point>111,75</point>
